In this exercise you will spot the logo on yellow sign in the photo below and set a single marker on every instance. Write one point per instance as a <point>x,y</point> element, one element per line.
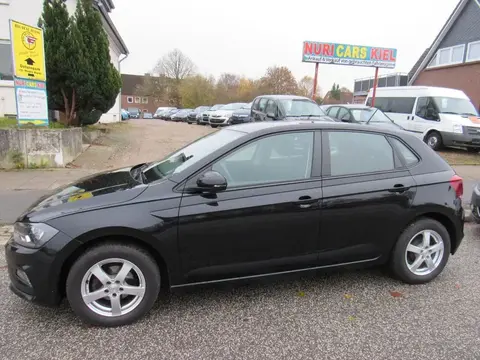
<point>28,52</point>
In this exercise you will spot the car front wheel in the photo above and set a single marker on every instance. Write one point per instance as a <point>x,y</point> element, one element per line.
<point>113,284</point>
<point>434,140</point>
<point>421,252</point>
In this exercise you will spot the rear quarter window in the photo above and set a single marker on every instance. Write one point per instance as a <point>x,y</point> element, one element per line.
<point>408,155</point>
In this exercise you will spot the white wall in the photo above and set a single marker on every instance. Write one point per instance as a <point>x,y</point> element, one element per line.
<point>7,98</point>
<point>113,115</point>
<point>28,12</point>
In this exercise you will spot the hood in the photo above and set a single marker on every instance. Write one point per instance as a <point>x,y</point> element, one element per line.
<point>465,120</point>
<point>242,112</point>
<point>91,192</point>
<point>222,113</point>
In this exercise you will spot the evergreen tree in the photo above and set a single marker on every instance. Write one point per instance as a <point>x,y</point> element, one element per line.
<point>62,57</point>
<point>105,81</point>
<point>81,80</point>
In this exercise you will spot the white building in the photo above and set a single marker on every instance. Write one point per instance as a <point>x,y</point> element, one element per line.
<point>28,12</point>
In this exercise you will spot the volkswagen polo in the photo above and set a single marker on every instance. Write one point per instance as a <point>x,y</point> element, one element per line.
<point>251,200</point>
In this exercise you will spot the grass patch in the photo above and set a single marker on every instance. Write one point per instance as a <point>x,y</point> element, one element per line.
<point>9,123</point>
<point>460,157</point>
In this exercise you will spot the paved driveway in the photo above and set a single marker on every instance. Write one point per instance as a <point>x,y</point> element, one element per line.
<point>350,315</point>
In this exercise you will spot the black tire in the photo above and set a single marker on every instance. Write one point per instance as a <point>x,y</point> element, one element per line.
<point>139,257</point>
<point>434,140</point>
<point>473,150</point>
<point>398,262</point>
<point>214,126</point>
<point>476,214</point>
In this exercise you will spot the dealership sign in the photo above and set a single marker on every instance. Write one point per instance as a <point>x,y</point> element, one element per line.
<point>344,54</point>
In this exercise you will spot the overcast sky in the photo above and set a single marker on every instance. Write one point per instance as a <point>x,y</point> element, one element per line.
<point>245,37</point>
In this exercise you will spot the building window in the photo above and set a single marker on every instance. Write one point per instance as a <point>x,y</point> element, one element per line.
<point>130,99</point>
<point>473,51</point>
<point>145,110</point>
<point>448,56</point>
<point>144,100</point>
<point>137,99</point>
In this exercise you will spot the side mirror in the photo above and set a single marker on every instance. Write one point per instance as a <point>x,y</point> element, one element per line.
<point>345,118</point>
<point>271,115</point>
<point>212,181</point>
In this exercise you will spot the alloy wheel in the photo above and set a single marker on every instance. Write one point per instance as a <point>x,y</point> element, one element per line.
<point>432,141</point>
<point>424,252</point>
<point>113,287</point>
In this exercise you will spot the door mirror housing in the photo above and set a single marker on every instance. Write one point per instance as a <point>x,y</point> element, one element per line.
<point>345,118</point>
<point>271,115</point>
<point>211,181</point>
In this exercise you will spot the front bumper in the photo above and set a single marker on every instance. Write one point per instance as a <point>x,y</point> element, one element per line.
<point>41,267</point>
<point>469,138</point>
<point>219,121</point>
<point>239,120</point>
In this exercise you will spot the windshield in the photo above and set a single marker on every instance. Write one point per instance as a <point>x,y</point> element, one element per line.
<point>216,107</point>
<point>299,107</point>
<point>234,106</point>
<point>190,154</point>
<point>201,108</point>
<point>447,105</point>
<point>133,111</point>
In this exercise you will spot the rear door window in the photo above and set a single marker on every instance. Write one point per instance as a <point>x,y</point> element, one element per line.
<point>359,153</point>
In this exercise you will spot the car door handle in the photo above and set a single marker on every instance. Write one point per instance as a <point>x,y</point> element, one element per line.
<point>399,188</point>
<point>304,202</point>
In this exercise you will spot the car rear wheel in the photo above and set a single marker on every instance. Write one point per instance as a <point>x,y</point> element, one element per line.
<point>473,150</point>
<point>113,284</point>
<point>421,252</point>
<point>434,140</point>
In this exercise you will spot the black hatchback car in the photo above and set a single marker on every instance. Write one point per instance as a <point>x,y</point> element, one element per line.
<point>286,107</point>
<point>250,200</point>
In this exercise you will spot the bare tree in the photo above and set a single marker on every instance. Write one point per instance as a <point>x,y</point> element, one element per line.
<point>279,80</point>
<point>305,86</point>
<point>227,88</point>
<point>175,65</point>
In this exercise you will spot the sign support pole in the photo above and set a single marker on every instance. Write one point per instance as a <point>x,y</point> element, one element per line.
<point>375,87</point>
<point>315,78</point>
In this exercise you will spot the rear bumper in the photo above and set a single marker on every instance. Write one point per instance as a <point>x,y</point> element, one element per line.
<point>464,140</point>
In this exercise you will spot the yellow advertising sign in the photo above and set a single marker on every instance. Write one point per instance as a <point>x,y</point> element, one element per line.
<point>28,51</point>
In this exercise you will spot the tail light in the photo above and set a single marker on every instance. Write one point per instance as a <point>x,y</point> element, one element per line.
<point>457,184</point>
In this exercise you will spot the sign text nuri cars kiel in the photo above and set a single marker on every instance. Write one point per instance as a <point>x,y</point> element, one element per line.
<point>345,54</point>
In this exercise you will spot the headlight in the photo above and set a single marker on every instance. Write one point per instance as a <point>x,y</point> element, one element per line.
<point>457,129</point>
<point>33,235</point>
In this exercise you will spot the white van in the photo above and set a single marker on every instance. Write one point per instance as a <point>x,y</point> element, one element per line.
<point>440,116</point>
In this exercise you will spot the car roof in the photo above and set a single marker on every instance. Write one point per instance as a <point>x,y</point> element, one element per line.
<point>279,126</point>
<point>352,106</point>
<point>286,97</point>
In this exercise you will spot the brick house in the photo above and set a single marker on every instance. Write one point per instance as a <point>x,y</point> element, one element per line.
<point>131,98</point>
<point>453,59</point>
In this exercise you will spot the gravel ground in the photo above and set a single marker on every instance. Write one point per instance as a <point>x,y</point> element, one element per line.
<point>137,141</point>
<point>350,315</point>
